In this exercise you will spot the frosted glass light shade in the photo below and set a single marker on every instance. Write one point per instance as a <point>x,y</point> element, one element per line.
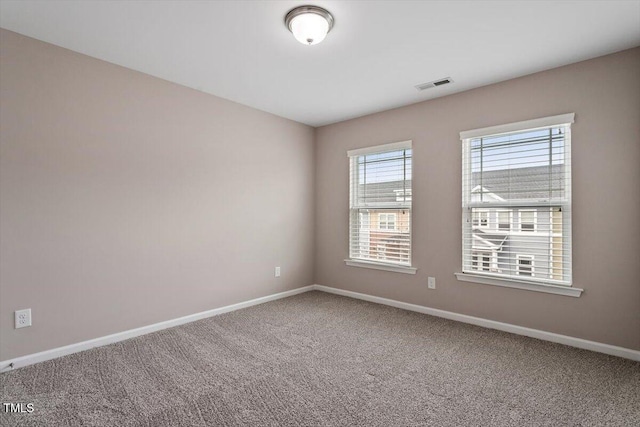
<point>309,24</point>
<point>309,28</point>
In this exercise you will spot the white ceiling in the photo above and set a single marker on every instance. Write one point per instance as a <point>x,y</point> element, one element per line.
<point>372,59</point>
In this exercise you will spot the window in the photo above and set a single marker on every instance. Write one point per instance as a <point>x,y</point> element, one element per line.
<point>525,265</point>
<point>481,261</point>
<point>481,218</point>
<point>528,219</point>
<point>380,207</point>
<point>517,200</point>
<point>402,195</point>
<point>504,220</point>
<point>387,221</point>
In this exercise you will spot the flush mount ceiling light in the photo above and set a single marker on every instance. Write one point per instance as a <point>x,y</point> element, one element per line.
<point>309,24</point>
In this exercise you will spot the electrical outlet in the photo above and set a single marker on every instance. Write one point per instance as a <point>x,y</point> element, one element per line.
<point>277,271</point>
<point>23,318</point>
<point>431,282</point>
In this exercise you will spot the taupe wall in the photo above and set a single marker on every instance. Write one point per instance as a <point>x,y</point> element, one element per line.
<point>605,95</point>
<point>128,200</point>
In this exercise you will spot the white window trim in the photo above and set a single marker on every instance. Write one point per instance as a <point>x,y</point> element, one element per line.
<point>520,284</point>
<point>354,262</point>
<point>402,145</point>
<point>518,126</point>
<point>537,286</point>
<point>387,266</point>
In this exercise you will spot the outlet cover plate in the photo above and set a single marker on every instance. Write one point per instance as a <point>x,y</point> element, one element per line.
<point>23,318</point>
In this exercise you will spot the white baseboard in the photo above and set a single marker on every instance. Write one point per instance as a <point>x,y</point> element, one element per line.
<point>492,324</point>
<point>30,359</point>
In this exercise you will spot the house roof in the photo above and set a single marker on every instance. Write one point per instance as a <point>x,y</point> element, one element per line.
<point>381,192</point>
<point>486,241</point>
<point>521,183</point>
<point>505,184</point>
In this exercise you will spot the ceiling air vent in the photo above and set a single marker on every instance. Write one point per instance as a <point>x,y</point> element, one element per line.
<point>434,83</point>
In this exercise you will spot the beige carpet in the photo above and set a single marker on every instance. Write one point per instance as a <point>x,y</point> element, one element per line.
<point>322,360</point>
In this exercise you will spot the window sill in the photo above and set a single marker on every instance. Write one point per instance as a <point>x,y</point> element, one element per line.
<point>536,287</point>
<point>379,266</point>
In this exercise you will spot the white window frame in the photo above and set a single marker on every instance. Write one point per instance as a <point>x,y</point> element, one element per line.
<point>401,203</point>
<point>530,283</point>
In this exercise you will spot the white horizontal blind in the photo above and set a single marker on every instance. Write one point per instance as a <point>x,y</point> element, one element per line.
<point>380,204</point>
<point>516,199</point>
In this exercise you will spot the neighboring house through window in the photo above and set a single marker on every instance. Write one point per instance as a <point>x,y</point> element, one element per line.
<point>380,207</point>
<point>517,202</point>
